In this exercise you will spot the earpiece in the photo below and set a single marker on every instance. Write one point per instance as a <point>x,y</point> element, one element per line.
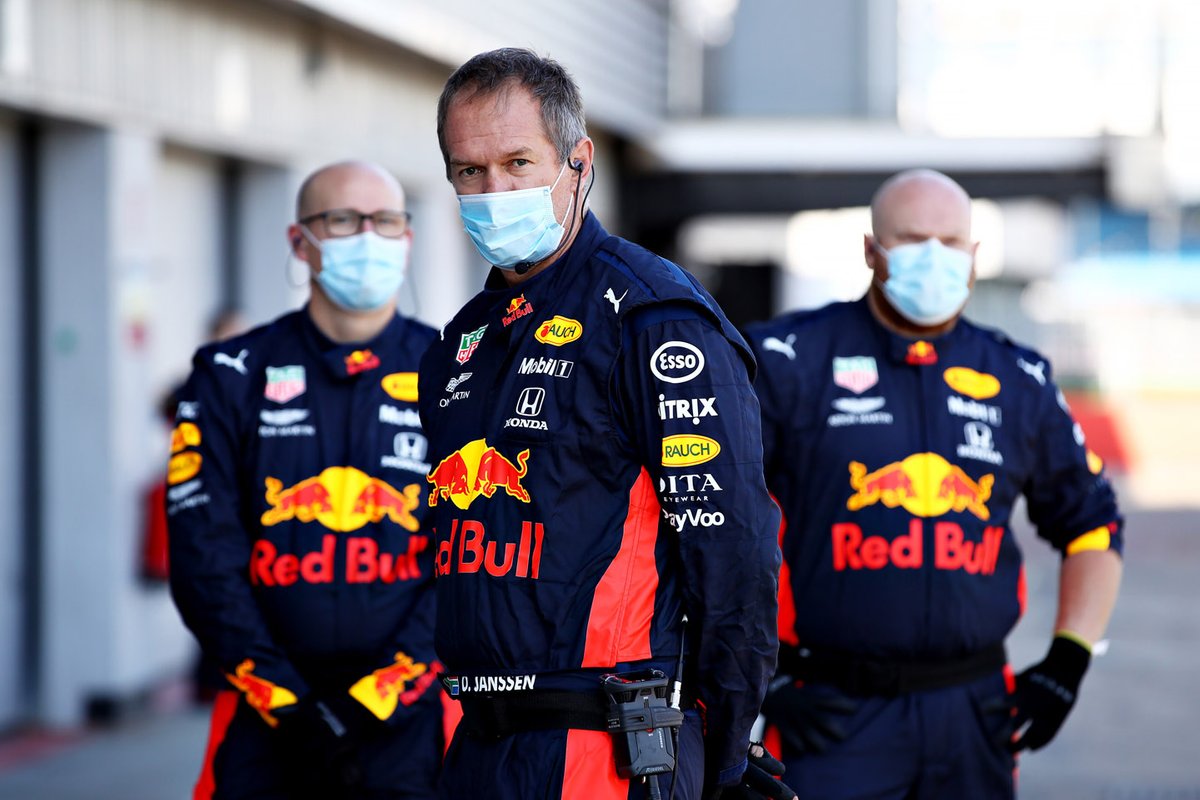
<point>577,165</point>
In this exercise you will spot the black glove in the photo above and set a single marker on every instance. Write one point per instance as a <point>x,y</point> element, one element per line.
<point>808,722</point>
<point>760,780</point>
<point>1046,691</point>
<point>321,735</point>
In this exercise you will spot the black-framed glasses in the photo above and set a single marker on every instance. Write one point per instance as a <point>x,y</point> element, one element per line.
<point>347,222</point>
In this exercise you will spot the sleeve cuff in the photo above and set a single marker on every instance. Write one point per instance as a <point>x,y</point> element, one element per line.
<point>731,775</point>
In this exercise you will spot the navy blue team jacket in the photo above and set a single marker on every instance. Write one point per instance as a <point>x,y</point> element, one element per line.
<point>596,474</point>
<point>295,500</point>
<point>897,463</point>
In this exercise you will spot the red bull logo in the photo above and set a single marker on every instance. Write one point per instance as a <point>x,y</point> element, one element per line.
<point>341,499</point>
<point>921,353</point>
<point>469,550</point>
<point>262,695</point>
<point>517,308</point>
<point>477,469</point>
<point>924,484</point>
<point>400,683</point>
<point>361,361</point>
<point>952,551</point>
<point>364,562</point>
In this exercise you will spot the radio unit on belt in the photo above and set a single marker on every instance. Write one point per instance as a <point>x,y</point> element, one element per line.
<point>642,722</point>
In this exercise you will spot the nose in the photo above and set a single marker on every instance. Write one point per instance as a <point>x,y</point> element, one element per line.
<point>495,182</point>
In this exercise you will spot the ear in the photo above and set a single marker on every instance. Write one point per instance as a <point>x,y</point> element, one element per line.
<point>296,242</point>
<point>583,152</point>
<point>869,253</point>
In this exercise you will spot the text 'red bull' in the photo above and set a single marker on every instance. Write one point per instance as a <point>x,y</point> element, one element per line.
<point>474,552</point>
<point>364,562</point>
<point>852,550</point>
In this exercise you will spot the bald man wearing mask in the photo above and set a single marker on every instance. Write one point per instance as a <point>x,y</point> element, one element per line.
<point>897,437</point>
<point>298,554</point>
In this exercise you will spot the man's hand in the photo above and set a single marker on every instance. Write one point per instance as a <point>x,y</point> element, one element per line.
<point>759,781</point>
<point>322,736</point>
<point>1046,692</point>
<point>807,722</point>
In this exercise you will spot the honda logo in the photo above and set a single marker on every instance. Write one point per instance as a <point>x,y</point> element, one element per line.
<point>529,404</point>
<point>410,445</point>
<point>978,435</point>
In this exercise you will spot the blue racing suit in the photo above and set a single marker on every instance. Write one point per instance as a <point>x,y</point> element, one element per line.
<point>596,475</point>
<point>897,464</point>
<point>297,552</point>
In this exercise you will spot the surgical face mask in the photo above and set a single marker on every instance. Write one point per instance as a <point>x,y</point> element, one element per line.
<point>927,281</point>
<point>362,272</point>
<point>512,228</point>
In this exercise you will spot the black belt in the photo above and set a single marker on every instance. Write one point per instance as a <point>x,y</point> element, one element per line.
<point>498,715</point>
<point>494,716</point>
<point>867,676</point>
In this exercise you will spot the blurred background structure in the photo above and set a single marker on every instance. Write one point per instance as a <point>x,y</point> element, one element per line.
<point>150,151</point>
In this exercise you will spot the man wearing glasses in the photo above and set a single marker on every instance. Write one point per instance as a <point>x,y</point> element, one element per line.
<point>298,555</point>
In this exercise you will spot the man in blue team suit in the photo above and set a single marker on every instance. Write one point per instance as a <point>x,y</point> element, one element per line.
<point>295,500</point>
<point>596,474</point>
<point>897,439</point>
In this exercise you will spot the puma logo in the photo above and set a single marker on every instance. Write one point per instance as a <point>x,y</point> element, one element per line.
<point>229,361</point>
<point>611,297</point>
<point>784,346</point>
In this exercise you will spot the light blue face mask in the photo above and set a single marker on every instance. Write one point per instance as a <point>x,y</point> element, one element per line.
<point>513,228</point>
<point>927,281</point>
<point>362,272</point>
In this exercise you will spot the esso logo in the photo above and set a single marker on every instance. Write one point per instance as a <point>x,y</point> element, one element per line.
<point>677,362</point>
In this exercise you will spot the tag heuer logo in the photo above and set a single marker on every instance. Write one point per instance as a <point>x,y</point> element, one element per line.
<point>284,383</point>
<point>856,373</point>
<point>468,343</point>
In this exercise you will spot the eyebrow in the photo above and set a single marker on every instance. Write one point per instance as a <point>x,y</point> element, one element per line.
<point>520,152</point>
